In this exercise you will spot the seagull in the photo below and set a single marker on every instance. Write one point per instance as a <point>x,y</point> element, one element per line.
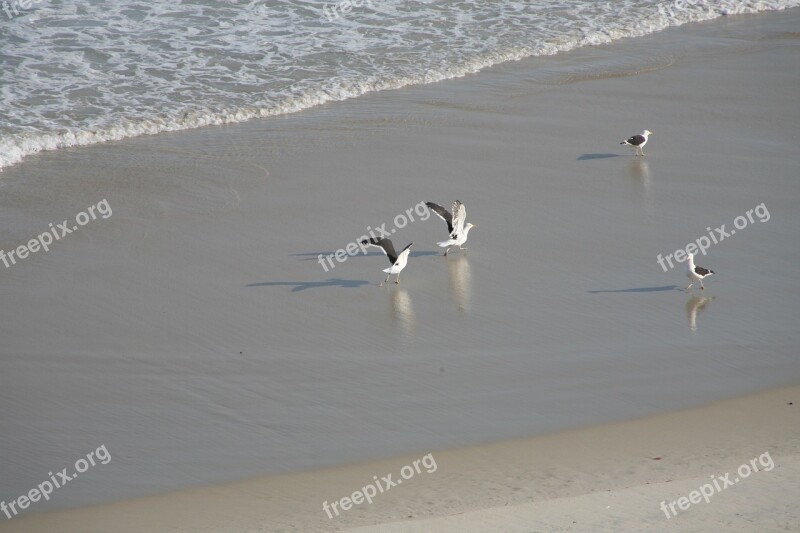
<point>638,141</point>
<point>696,273</point>
<point>398,261</point>
<point>455,224</point>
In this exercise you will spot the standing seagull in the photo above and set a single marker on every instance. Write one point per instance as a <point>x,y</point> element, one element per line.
<point>455,224</point>
<point>398,261</point>
<point>638,141</point>
<point>696,273</point>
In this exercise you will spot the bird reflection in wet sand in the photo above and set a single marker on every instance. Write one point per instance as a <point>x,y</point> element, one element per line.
<point>403,312</point>
<point>460,281</point>
<point>695,305</point>
<point>641,170</point>
<point>639,173</point>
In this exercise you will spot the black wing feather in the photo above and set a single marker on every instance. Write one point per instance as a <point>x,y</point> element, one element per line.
<point>636,140</point>
<point>385,245</point>
<point>443,213</point>
<point>702,271</point>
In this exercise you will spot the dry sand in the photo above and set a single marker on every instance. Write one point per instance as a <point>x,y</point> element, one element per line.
<point>194,334</point>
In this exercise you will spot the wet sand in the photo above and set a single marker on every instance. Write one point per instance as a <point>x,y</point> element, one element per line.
<point>612,477</point>
<point>195,334</point>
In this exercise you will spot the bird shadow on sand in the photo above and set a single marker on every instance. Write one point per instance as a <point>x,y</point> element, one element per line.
<point>314,256</point>
<point>425,253</point>
<point>303,285</point>
<point>585,157</point>
<point>643,289</point>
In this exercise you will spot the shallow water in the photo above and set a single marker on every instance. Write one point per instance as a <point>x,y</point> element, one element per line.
<point>83,73</point>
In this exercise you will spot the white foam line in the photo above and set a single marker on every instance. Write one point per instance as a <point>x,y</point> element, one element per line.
<point>14,148</point>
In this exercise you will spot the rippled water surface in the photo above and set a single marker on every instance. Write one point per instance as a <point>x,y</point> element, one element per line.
<point>76,73</point>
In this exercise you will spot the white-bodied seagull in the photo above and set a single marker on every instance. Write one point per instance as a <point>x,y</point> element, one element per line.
<point>455,224</point>
<point>398,261</point>
<point>637,142</point>
<point>696,273</point>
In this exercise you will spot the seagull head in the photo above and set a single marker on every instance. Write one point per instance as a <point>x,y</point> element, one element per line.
<point>469,226</point>
<point>647,132</point>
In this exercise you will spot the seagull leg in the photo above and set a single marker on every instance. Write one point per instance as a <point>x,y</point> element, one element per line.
<point>446,250</point>
<point>384,281</point>
<point>702,287</point>
<point>689,286</point>
<point>397,280</point>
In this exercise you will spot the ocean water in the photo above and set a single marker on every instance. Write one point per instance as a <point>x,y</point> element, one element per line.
<point>79,73</point>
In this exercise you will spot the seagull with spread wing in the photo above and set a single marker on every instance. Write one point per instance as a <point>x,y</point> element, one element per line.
<point>398,261</point>
<point>455,224</point>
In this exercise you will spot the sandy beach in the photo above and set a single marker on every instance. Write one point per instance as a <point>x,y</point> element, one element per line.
<point>195,333</point>
<point>612,477</point>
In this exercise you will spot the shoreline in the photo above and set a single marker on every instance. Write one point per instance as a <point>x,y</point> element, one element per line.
<point>19,148</point>
<point>599,478</point>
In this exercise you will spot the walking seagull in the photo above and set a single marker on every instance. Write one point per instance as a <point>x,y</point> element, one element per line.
<point>696,273</point>
<point>398,261</point>
<point>455,224</point>
<point>638,141</point>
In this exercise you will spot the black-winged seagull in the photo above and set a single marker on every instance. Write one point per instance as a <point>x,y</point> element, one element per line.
<point>398,261</point>
<point>696,273</point>
<point>637,142</point>
<point>455,224</point>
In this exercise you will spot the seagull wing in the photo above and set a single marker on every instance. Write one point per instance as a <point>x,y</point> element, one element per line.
<point>404,253</point>
<point>636,140</point>
<point>443,214</point>
<point>459,217</point>
<point>701,271</point>
<point>385,245</point>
